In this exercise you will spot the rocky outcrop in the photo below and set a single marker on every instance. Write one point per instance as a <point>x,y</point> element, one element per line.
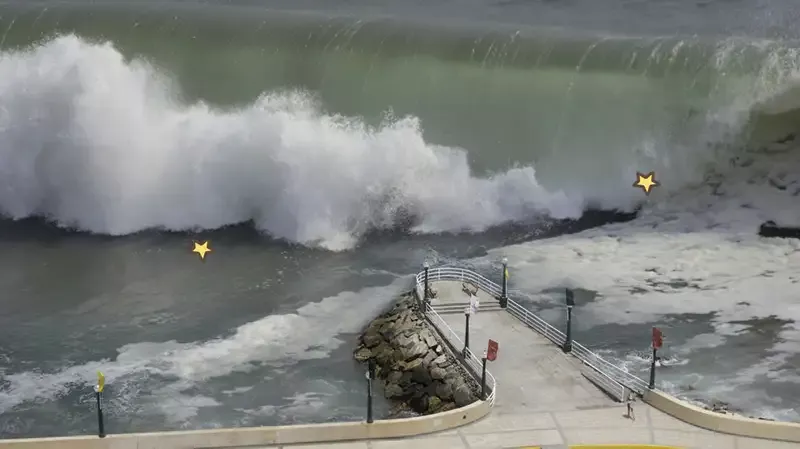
<point>416,368</point>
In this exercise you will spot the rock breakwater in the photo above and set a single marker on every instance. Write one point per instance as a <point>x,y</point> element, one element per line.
<point>417,369</point>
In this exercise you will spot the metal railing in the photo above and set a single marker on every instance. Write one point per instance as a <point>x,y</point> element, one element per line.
<point>602,380</point>
<point>458,274</point>
<point>610,372</point>
<point>474,363</point>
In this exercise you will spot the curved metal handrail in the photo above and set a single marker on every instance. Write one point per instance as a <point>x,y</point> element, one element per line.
<point>608,369</point>
<point>458,274</point>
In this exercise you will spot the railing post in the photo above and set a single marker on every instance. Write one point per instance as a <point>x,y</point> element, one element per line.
<point>504,296</point>
<point>567,346</point>
<point>652,383</point>
<point>370,376</point>
<point>483,378</point>
<point>466,330</point>
<point>98,394</point>
<point>657,343</point>
<point>425,297</point>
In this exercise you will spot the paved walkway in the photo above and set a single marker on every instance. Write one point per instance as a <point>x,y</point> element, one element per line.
<point>544,401</point>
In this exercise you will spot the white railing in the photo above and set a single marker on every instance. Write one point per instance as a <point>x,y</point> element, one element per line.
<point>605,382</point>
<point>475,364</point>
<point>458,274</point>
<point>534,322</point>
<point>611,373</point>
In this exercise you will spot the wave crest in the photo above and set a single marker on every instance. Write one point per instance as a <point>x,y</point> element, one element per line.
<point>98,143</point>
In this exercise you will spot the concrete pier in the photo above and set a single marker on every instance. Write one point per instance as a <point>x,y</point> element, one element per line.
<point>543,400</point>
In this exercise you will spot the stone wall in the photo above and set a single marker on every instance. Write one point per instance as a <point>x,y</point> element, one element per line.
<point>416,369</point>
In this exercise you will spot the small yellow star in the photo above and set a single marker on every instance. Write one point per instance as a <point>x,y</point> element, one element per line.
<point>201,249</point>
<point>646,182</point>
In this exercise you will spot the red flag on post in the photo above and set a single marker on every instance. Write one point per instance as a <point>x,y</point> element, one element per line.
<point>491,352</point>
<point>658,338</point>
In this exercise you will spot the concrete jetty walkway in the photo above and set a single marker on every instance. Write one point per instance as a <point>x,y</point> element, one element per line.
<point>544,401</point>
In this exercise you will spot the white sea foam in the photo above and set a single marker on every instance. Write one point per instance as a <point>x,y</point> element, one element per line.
<point>272,340</point>
<point>695,251</point>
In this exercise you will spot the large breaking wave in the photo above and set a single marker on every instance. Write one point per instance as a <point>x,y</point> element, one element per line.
<point>353,130</point>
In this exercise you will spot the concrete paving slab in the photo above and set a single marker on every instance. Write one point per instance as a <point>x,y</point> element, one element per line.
<point>514,439</point>
<point>444,433</point>
<point>697,440</point>
<point>661,420</point>
<point>498,422</point>
<point>441,442</point>
<point>608,436</point>
<point>755,443</point>
<point>603,418</point>
<point>343,445</point>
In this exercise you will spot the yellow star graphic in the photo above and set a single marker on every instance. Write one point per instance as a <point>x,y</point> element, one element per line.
<point>646,182</point>
<point>201,249</point>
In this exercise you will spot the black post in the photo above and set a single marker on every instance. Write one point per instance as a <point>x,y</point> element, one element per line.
<point>570,297</point>
<point>653,369</point>
<point>370,376</point>
<point>483,380</point>
<point>100,428</point>
<point>504,297</point>
<point>466,333</point>
<point>425,295</point>
<point>568,342</point>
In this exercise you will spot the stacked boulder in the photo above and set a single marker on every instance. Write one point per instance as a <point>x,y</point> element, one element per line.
<point>415,367</point>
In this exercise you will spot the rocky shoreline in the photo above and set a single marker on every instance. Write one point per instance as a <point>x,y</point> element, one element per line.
<point>419,373</point>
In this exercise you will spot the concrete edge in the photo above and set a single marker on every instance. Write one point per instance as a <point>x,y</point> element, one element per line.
<point>621,446</point>
<point>264,436</point>
<point>724,423</point>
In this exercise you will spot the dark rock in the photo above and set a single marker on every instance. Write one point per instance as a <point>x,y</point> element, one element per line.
<point>362,354</point>
<point>771,229</point>
<point>382,354</point>
<point>453,376</point>
<point>394,377</point>
<point>438,373</point>
<point>430,340</point>
<point>434,404</point>
<point>421,375</point>
<point>419,403</point>
<point>447,407</point>
<point>428,359</point>
<point>372,339</point>
<point>409,366</point>
<point>441,361</point>
<point>403,340</point>
<point>392,391</point>
<point>462,395</point>
<point>405,379</point>
<point>416,349</point>
<point>387,332</point>
<point>444,391</point>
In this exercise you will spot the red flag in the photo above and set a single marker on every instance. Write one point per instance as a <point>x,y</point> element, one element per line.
<point>491,352</point>
<point>658,338</point>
